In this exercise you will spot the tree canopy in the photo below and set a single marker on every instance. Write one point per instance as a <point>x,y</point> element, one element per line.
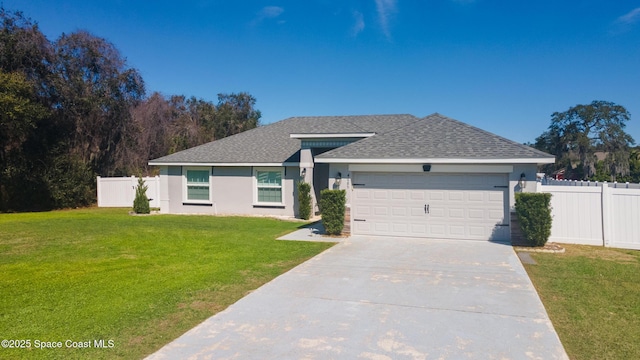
<point>577,136</point>
<point>73,109</point>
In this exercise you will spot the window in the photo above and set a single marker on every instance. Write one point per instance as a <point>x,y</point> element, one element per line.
<point>268,186</point>
<point>198,185</point>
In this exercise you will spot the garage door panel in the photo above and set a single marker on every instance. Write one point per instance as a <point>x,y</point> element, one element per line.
<point>457,230</point>
<point>417,195</point>
<point>398,195</point>
<point>400,228</point>
<point>382,227</point>
<point>361,210</point>
<point>455,196</point>
<point>475,214</point>
<point>419,229</point>
<point>496,196</point>
<point>436,230</point>
<point>476,231</point>
<point>460,206</point>
<point>437,213</point>
<point>381,211</point>
<point>456,213</point>
<point>380,195</point>
<point>362,194</point>
<point>497,215</point>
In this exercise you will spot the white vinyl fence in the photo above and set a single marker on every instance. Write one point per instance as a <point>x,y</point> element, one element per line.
<point>615,185</point>
<point>595,214</point>
<point>120,192</point>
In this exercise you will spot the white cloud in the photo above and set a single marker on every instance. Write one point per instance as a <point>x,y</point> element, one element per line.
<point>270,12</point>
<point>358,26</point>
<point>630,17</point>
<point>385,9</point>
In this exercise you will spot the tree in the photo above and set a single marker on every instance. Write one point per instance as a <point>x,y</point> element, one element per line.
<point>162,126</point>
<point>575,135</point>
<point>23,48</point>
<point>235,114</point>
<point>72,109</point>
<point>304,200</point>
<point>96,91</point>
<point>141,201</point>
<point>26,58</point>
<point>19,113</point>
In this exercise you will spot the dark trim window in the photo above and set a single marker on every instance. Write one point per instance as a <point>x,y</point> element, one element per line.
<point>197,185</point>
<point>269,186</point>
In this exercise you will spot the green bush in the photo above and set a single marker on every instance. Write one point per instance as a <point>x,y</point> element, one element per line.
<point>534,215</point>
<point>141,202</point>
<point>332,205</point>
<point>304,200</point>
<point>71,183</point>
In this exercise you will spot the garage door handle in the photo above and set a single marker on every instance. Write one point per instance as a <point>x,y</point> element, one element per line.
<point>426,209</point>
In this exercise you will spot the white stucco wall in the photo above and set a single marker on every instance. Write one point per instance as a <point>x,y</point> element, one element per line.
<point>232,192</point>
<point>529,171</point>
<point>345,183</point>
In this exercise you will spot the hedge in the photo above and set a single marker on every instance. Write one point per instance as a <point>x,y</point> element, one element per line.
<point>304,200</point>
<point>332,206</point>
<point>534,215</point>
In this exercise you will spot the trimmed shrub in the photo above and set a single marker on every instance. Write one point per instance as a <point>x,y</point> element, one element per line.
<point>304,200</point>
<point>534,214</point>
<point>141,201</point>
<point>332,205</point>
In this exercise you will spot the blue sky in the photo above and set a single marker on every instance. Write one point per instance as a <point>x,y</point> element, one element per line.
<point>504,66</point>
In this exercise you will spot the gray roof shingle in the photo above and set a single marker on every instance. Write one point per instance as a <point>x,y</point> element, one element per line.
<point>397,137</point>
<point>272,143</point>
<point>435,137</point>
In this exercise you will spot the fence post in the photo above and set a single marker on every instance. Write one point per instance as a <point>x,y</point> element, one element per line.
<point>606,215</point>
<point>98,190</point>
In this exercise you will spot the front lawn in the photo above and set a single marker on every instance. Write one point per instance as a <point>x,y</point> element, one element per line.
<point>133,282</point>
<point>592,295</point>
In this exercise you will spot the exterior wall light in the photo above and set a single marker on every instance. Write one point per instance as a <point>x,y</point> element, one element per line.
<point>522,182</point>
<point>339,178</point>
<point>303,172</point>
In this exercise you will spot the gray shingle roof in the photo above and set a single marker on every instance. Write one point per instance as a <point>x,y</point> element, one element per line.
<point>435,137</point>
<point>272,143</point>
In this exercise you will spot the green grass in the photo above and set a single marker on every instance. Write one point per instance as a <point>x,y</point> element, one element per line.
<point>592,295</point>
<point>141,281</point>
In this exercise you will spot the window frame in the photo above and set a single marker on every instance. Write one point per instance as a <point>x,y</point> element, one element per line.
<point>256,201</point>
<point>185,185</point>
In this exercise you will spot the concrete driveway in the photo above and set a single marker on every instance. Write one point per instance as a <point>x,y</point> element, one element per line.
<point>385,298</point>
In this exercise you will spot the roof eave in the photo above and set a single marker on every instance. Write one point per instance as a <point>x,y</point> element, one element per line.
<point>331,135</point>
<point>538,161</point>
<point>238,164</point>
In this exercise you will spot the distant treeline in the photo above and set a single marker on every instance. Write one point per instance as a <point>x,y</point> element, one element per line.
<point>72,109</point>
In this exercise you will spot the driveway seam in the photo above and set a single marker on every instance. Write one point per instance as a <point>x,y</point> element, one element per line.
<point>366,302</point>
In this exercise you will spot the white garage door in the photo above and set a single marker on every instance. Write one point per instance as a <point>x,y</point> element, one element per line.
<point>447,206</point>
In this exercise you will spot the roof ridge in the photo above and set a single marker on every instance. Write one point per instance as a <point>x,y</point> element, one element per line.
<point>405,125</point>
<point>344,116</point>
